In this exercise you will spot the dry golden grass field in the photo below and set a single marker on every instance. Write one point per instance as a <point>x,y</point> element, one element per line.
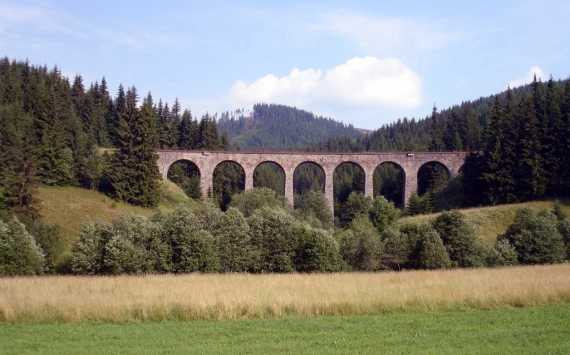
<point>121,299</point>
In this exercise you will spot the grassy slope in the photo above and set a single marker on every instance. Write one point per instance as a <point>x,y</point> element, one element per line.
<point>69,206</point>
<point>540,330</point>
<point>492,221</point>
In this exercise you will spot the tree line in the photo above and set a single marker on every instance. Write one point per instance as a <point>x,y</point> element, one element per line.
<point>260,233</point>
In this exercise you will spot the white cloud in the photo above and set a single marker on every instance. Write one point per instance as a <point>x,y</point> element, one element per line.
<point>529,77</point>
<point>359,83</point>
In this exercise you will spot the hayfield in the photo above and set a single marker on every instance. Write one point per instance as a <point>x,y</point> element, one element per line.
<point>125,299</point>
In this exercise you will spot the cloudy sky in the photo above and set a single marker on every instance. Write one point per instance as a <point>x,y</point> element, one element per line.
<point>361,62</point>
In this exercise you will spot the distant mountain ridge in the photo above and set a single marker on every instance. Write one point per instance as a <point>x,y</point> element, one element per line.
<point>280,127</point>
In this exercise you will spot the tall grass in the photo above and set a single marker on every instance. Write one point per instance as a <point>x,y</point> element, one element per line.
<point>68,206</point>
<point>70,299</point>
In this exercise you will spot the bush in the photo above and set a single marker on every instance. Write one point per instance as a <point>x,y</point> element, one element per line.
<point>233,242</point>
<point>432,253</point>
<point>356,205</point>
<point>362,247</point>
<point>317,251</point>
<point>135,247</point>
<point>535,237</point>
<point>192,248</point>
<point>274,240</point>
<point>459,239</point>
<point>424,247</point>
<point>251,200</point>
<point>49,238</point>
<point>314,208</point>
<point>19,253</point>
<point>86,252</point>
<point>383,213</point>
<point>501,254</point>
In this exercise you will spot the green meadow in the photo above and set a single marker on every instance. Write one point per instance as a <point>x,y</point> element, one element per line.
<point>530,330</point>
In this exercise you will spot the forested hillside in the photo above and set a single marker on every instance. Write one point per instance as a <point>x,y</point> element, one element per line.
<point>469,120</point>
<point>51,131</point>
<point>520,139</point>
<point>280,127</point>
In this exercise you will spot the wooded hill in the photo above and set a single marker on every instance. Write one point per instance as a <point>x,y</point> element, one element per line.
<point>280,127</point>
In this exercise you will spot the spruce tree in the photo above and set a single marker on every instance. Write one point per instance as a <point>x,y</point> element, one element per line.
<point>528,153</point>
<point>436,143</point>
<point>185,131</point>
<point>542,131</point>
<point>552,145</point>
<point>498,168</point>
<point>135,175</point>
<point>563,141</point>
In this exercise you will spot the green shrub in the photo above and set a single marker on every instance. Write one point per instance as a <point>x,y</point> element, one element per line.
<point>192,247</point>
<point>459,239</point>
<point>535,237</point>
<point>19,253</point>
<point>501,254</point>
<point>86,251</point>
<point>317,251</point>
<point>432,253</point>
<point>424,247</point>
<point>49,238</point>
<point>274,239</point>
<point>251,200</point>
<point>135,247</point>
<point>383,213</point>
<point>361,246</point>
<point>356,205</point>
<point>313,207</point>
<point>233,241</point>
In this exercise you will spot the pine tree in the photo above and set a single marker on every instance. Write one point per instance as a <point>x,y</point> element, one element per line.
<point>19,184</point>
<point>528,152</point>
<point>436,144</point>
<point>451,134</point>
<point>563,141</point>
<point>185,131</point>
<point>543,139</point>
<point>472,139</point>
<point>552,147</point>
<point>135,174</point>
<point>497,169</point>
<point>116,111</point>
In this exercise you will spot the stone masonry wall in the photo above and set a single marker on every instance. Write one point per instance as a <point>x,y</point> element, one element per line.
<point>409,162</point>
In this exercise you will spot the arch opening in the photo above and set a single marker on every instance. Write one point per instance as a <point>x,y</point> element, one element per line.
<point>308,176</point>
<point>432,176</point>
<point>271,175</point>
<point>186,175</point>
<point>389,180</point>
<point>348,177</point>
<point>228,179</point>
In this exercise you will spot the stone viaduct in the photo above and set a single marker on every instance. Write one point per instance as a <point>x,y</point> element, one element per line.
<point>410,163</point>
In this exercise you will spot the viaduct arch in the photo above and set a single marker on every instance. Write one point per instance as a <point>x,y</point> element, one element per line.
<point>410,162</point>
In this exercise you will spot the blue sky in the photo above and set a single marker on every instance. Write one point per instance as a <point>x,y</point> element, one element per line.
<point>361,62</point>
